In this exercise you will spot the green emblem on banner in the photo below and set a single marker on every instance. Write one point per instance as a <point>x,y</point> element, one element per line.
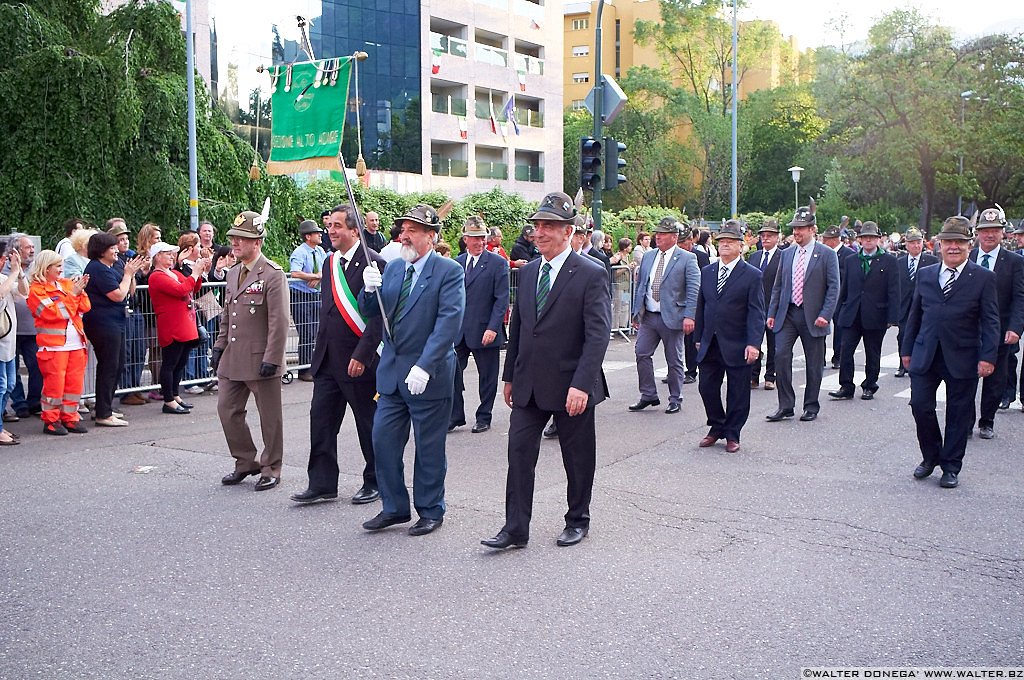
<point>308,103</point>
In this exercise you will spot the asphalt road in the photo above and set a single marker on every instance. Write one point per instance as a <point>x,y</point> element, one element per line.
<point>123,557</point>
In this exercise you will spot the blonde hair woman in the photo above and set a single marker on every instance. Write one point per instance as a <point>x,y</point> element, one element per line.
<point>149,235</point>
<point>75,264</point>
<point>57,305</point>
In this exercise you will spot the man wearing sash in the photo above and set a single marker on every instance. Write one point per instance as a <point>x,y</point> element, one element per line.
<point>344,365</point>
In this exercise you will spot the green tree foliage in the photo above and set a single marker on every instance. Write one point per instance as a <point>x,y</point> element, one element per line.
<point>90,132</point>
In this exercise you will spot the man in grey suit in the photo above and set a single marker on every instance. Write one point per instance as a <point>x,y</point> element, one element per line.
<point>803,302</point>
<point>664,305</point>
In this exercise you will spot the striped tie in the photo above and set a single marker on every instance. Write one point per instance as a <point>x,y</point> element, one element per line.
<point>658,271</point>
<point>985,261</point>
<point>543,287</point>
<point>404,294</point>
<point>913,268</point>
<point>798,279</point>
<point>722,276</point>
<point>948,288</point>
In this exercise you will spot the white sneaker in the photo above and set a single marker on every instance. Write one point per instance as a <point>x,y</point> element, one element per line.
<point>194,389</point>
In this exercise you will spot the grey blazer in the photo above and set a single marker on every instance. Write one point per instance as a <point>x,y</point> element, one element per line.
<point>680,283</point>
<point>821,288</point>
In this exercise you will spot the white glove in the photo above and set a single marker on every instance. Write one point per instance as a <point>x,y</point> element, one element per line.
<point>372,278</point>
<point>417,380</point>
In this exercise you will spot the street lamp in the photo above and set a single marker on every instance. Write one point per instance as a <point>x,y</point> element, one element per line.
<point>795,172</point>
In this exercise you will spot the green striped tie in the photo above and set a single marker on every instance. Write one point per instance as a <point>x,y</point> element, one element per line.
<point>543,287</point>
<point>404,295</point>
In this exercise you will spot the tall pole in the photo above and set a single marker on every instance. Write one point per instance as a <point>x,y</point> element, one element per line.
<point>796,194</point>
<point>193,164</point>
<point>960,164</point>
<point>735,97</point>
<point>595,206</point>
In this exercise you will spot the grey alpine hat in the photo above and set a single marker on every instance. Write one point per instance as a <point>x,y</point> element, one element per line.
<point>955,228</point>
<point>731,229</point>
<point>870,228</point>
<point>309,227</point>
<point>555,207</point>
<point>667,225</point>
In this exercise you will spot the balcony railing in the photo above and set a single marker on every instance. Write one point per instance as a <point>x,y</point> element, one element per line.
<point>529,173</point>
<point>530,118</point>
<point>441,103</point>
<point>483,111</point>
<point>527,64</point>
<point>486,170</point>
<point>491,55</point>
<point>449,167</point>
<point>446,44</point>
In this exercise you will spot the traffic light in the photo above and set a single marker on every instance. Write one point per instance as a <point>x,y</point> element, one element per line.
<point>614,163</point>
<point>590,163</point>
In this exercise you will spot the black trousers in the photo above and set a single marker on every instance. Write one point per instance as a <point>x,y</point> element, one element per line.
<point>993,388</point>
<point>578,440</point>
<point>487,364</point>
<point>690,354</point>
<point>937,448</point>
<point>331,398</point>
<point>1013,387</point>
<point>108,341</point>
<point>175,358</point>
<point>769,360</point>
<point>852,335</point>
<point>724,421</point>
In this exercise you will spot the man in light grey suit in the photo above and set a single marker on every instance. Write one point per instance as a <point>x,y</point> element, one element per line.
<point>664,305</point>
<point>803,301</point>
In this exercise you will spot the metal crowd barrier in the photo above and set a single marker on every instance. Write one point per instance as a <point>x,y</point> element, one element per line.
<point>142,351</point>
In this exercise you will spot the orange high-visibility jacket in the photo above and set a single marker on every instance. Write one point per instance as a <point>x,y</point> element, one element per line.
<point>52,306</point>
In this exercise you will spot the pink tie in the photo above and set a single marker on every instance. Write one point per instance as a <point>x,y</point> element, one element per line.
<point>798,279</point>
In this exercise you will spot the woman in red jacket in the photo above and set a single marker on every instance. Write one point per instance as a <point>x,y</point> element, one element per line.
<point>57,305</point>
<point>171,293</point>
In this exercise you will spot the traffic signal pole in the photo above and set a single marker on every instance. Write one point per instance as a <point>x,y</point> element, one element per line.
<point>595,205</point>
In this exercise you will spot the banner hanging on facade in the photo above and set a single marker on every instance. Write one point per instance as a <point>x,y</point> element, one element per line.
<point>308,104</point>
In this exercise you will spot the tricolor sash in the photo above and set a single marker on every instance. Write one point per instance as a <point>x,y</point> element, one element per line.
<point>344,298</point>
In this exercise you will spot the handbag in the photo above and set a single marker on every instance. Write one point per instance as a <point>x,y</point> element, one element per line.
<point>5,323</point>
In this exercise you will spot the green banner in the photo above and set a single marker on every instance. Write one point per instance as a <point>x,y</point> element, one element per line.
<point>308,103</point>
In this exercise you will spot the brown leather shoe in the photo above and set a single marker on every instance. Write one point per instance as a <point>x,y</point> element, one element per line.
<point>708,441</point>
<point>731,446</point>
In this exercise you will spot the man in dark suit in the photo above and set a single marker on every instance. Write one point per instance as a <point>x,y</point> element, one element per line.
<point>423,296</point>
<point>664,305</point>
<point>483,324</point>
<point>730,326</point>
<point>869,303</point>
<point>557,340</point>
<point>953,338</point>
<point>803,301</point>
<point>833,238</point>
<point>766,259</point>
<point>1009,270</point>
<point>909,265</point>
<point>685,240</point>
<point>344,365</point>
<point>1013,388</point>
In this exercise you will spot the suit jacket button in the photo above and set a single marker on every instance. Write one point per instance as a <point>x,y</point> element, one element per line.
<point>232,339</point>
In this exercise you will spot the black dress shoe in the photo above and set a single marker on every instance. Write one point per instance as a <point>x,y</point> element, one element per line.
<point>236,477</point>
<point>185,404</point>
<point>664,380</point>
<point>502,541</point>
<point>177,409</point>
<point>983,432</point>
<point>867,394</point>
<point>452,426</point>
<point>1004,404</point>
<point>384,520</point>
<point>808,416</point>
<point>424,525</point>
<point>900,372</point>
<point>673,408</point>
<point>265,482</point>
<point>367,494</point>
<point>781,414</point>
<point>551,431</point>
<point>571,536</point>
<point>949,480</point>
<point>644,403</point>
<point>309,496</point>
<point>922,471</point>
<point>689,379</point>
<point>841,394</point>
<point>835,365</point>
<point>480,427</point>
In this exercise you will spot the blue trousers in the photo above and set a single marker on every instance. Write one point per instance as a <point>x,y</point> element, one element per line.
<point>429,418</point>
<point>20,401</point>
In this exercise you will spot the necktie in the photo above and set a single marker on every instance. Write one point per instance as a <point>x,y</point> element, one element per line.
<point>472,263</point>
<point>316,263</point>
<point>404,294</point>
<point>984,261</point>
<point>948,288</point>
<point>765,258</point>
<point>798,279</point>
<point>723,274</point>
<point>242,273</point>
<point>543,286</point>
<point>913,268</point>
<point>342,262</point>
<point>656,287</point>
